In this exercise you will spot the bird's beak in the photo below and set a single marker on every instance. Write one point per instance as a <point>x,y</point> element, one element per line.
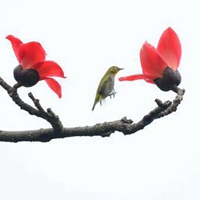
<point>121,68</point>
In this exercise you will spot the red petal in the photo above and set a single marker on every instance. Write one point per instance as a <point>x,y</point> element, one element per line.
<point>15,45</point>
<point>169,47</point>
<point>137,77</point>
<point>55,86</point>
<point>31,53</point>
<point>151,61</point>
<point>48,68</point>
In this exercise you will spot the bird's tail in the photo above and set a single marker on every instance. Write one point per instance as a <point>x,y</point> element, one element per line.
<point>97,99</point>
<point>95,102</point>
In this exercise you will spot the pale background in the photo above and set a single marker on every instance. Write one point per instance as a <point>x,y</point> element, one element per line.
<point>85,38</point>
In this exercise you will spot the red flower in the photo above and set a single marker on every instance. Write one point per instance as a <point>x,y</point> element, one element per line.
<point>160,65</point>
<point>32,65</point>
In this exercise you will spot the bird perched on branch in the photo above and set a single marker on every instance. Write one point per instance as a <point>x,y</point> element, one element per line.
<point>106,85</point>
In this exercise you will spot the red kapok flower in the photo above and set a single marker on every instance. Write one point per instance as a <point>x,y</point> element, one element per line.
<point>33,67</point>
<point>160,65</point>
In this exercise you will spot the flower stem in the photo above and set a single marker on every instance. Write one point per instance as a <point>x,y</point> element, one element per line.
<point>177,90</point>
<point>17,85</point>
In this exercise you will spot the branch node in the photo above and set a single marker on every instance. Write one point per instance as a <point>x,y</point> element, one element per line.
<point>174,105</point>
<point>37,103</point>
<point>52,114</point>
<point>162,105</point>
<point>126,121</point>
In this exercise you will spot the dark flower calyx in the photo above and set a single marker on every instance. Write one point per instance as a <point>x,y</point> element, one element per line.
<point>170,79</point>
<point>26,77</point>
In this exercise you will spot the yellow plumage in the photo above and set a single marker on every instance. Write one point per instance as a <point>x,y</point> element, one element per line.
<point>106,85</point>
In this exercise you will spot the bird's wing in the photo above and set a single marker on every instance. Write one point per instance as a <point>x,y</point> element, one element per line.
<point>102,85</point>
<point>100,94</point>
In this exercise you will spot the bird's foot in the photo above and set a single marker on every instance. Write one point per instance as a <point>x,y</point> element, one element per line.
<point>112,94</point>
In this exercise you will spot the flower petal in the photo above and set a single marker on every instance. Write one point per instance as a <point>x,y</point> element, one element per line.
<point>151,61</point>
<point>15,45</point>
<point>169,47</point>
<point>31,53</point>
<point>55,86</point>
<point>137,77</point>
<point>47,69</point>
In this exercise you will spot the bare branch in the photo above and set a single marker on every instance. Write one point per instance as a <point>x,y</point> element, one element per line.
<point>124,125</point>
<point>39,112</point>
<point>174,105</point>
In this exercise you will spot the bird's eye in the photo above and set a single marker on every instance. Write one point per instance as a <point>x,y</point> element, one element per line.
<point>116,68</point>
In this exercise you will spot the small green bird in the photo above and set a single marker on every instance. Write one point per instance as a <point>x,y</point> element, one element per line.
<point>106,85</point>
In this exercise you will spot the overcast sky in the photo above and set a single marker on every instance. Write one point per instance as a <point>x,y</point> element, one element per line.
<point>85,38</point>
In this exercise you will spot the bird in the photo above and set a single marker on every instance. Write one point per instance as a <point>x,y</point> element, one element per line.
<point>106,85</point>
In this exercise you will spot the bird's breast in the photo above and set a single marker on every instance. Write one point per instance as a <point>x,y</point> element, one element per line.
<point>109,86</point>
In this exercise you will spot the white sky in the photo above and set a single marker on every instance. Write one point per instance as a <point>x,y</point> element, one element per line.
<point>85,38</point>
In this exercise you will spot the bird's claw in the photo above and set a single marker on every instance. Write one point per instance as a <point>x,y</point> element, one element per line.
<point>112,94</point>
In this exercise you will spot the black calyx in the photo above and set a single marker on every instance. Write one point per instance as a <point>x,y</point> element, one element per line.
<point>170,79</point>
<point>26,77</point>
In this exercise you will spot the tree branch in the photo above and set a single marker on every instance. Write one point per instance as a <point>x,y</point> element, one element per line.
<point>124,125</point>
<point>39,112</point>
